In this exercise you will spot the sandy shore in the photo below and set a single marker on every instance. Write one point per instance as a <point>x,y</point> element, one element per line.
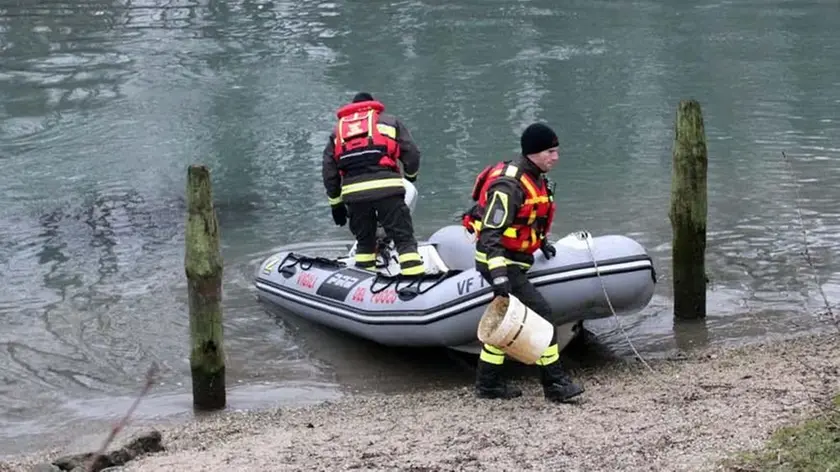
<point>687,415</point>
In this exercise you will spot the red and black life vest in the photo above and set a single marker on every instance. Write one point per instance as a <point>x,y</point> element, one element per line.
<point>361,142</point>
<point>533,220</point>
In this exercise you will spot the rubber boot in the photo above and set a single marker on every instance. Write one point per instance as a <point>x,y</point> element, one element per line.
<point>491,384</point>
<point>557,385</point>
<point>489,378</point>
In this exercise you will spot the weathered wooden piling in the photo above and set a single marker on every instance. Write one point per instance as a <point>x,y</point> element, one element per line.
<point>688,212</point>
<point>203,264</point>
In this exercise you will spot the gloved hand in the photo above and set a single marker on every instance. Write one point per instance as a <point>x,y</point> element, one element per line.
<point>339,214</point>
<point>411,179</point>
<point>500,281</point>
<point>547,249</point>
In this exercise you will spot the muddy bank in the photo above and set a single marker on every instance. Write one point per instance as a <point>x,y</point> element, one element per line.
<point>693,411</point>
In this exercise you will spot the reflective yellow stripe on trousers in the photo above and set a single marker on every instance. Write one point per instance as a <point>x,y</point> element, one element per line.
<point>492,355</point>
<point>549,356</point>
<point>366,260</point>
<point>411,264</point>
<point>371,185</point>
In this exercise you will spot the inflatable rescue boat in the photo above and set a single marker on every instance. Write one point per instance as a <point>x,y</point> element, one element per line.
<point>443,307</point>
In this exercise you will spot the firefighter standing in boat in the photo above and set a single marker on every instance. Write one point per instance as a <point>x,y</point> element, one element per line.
<point>362,179</point>
<point>511,219</point>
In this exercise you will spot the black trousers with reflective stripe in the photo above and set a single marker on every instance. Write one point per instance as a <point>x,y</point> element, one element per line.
<point>394,216</point>
<point>525,291</point>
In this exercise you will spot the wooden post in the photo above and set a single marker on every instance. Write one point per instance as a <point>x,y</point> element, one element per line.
<point>688,212</point>
<point>203,264</point>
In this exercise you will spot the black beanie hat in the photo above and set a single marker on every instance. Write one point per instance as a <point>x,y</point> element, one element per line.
<point>362,97</point>
<point>537,138</point>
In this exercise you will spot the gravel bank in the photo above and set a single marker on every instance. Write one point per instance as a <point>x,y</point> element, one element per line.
<point>691,412</point>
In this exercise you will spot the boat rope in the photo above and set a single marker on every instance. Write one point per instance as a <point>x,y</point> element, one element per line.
<point>807,252</point>
<point>586,236</point>
<point>412,280</point>
<point>305,262</point>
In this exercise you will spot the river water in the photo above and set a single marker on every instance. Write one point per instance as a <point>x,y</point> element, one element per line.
<point>103,105</point>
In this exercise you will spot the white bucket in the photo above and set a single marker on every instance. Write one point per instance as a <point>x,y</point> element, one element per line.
<point>515,329</point>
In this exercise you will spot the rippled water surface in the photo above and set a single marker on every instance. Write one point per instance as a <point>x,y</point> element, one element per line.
<point>104,104</point>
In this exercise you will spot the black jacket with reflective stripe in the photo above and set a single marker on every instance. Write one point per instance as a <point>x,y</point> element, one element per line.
<point>361,186</point>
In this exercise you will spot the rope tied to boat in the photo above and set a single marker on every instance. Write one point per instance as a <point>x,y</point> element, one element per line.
<point>585,236</point>
<point>412,280</point>
<point>806,252</point>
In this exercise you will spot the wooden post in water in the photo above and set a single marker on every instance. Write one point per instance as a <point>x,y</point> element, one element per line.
<point>688,212</point>
<point>203,264</point>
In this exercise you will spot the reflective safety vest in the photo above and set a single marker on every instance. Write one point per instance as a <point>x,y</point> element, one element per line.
<point>533,220</point>
<point>361,142</point>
